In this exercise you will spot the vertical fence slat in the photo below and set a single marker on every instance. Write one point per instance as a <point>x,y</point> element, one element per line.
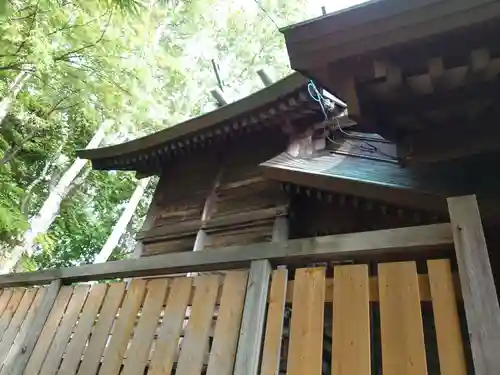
<point>97,342</point>
<point>168,337</point>
<point>77,344</point>
<point>15,324</point>
<point>64,331</point>
<point>16,347</point>
<point>252,323</point>
<point>48,332</point>
<point>138,353</point>
<point>31,332</point>
<point>4,299</point>
<point>306,328</point>
<point>478,286</point>
<point>447,323</point>
<point>10,309</point>
<point>274,323</point>
<point>195,341</point>
<point>115,351</point>
<point>221,360</point>
<point>351,321</point>
<point>403,350</point>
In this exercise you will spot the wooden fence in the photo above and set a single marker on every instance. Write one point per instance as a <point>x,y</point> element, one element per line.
<point>275,314</point>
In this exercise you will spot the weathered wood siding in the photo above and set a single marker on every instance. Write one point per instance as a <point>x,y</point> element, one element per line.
<point>243,203</point>
<point>246,203</point>
<point>178,204</point>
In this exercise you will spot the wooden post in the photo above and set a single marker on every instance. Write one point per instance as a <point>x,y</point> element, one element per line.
<point>478,288</point>
<point>252,324</point>
<point>18,357</point>
<point>280,229</point>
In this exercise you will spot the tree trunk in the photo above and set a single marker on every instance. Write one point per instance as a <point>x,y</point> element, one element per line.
<point>14,88</point>
<point>121,224</point>
<point>42,221</point>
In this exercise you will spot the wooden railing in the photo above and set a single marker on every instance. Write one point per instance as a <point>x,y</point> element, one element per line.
<point>238,321</point>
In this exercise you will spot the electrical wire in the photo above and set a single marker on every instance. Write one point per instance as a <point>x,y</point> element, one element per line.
<point>267,14</point>
<point>366,146</point>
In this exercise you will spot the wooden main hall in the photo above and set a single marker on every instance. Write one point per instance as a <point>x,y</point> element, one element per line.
<point>343,220</point>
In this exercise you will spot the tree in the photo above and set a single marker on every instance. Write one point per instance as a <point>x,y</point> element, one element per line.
<point>84,61</point>
<point>122,223</point>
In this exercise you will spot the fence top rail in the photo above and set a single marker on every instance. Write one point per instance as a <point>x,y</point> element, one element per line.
<point>335,247</point>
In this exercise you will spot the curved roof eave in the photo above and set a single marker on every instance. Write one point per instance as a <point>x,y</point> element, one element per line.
<point>258,99</point>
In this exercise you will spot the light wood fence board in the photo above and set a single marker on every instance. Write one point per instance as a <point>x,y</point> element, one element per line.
<point>166,345</point>
<point>306,328</point>
<point>195,341</point>
<point>402,337</point>
<point>102,328</point>
<point>49,330</point>
<point>447,322</point>
<point>351,321</point>
<point>138,352</point>
<point>17,345</point>
<point>16,322</point>
<point>4,299</point>
<point>11,309</point>
<point>423,284</point>
<point>222,355</point>
<point>76,346</point>
<point>17,359</point>
<point>114,353</point>
<point>64,331</point>
<point>274,323</point>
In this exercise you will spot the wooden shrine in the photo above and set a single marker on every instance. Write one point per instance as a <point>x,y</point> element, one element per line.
<point>293,232</point>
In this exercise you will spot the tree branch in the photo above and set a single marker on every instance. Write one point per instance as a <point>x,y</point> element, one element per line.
<point>65,56</point>
<point>9,155</point>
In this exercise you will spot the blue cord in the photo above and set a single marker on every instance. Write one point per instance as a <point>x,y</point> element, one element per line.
<point>316,96</point>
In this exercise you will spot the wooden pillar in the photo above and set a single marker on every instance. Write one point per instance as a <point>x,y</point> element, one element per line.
<point>18,357</point>
<point>280,229</point>
<point>252,324</point>
<point>478,288</point>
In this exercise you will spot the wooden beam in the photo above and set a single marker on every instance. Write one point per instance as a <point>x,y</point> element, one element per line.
<point>478,288</point>
<point>252,324</point>
<point>336,247</point>
<point>18,357</point>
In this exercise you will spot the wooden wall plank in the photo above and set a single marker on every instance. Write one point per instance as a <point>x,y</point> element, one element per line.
<point>403,350</point>
<point>86,321</point>
<point>478,287</point>
<point>117,346</point>
<point>16,322</point>
<point>222,354</point>
<point>351,321</point>
<point>4,299</point>
<point>64,331</point>
<point>48,332</point>
<point>138,352</point>
<point>306,328</point>
<point>168,336</point>
<point>274,323</point>
<point>11,309</point>
<point>195,343</point>
<point>252,323</point>
<point>100,334</point>
<point>447,323</point>
<point>31,330</point>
